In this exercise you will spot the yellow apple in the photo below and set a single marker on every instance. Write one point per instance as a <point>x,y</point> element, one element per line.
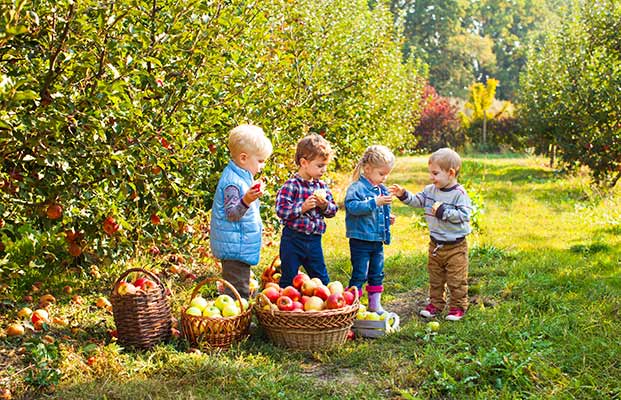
<point>194,311</point>
<point>199,302</point>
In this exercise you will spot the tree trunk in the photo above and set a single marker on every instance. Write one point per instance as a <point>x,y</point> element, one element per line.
<point>484,127</point>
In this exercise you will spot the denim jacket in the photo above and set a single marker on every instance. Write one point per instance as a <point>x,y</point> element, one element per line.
<point>364,220</point>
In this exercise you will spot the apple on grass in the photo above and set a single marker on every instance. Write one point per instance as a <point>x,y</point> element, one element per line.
<point>314,304</point>
<point>15,330</point>
<point>24,313</point>
<point>284,303</point>
<point>39,315</point>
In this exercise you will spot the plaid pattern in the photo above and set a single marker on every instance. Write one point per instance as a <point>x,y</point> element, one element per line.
<point>289,206</point>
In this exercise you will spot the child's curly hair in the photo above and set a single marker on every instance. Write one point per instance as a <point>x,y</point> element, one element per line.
<point>311,147</point>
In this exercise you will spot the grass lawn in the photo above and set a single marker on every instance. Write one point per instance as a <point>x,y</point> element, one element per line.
<point>545,280</point>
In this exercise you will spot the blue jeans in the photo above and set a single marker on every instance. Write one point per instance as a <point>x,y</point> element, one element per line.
<point>367,261</point>
<point>297,249</point>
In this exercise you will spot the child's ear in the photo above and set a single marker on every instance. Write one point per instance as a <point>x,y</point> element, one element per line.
<point>243,157</point>
<point>452,172</point>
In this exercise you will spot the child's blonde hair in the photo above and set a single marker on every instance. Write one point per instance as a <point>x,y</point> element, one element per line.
<point>446,159</point>
<point>311,147</point>
<point>249,139</point>
<point>375,156</point>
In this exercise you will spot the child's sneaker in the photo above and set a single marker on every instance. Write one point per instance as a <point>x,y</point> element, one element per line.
<point>430,311</point>
<point>455,314</point>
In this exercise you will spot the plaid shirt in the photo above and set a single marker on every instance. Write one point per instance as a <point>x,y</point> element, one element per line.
<point>289,206</point>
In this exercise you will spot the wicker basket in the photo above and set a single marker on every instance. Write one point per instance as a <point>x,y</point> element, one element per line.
<point>143,319</point>
<point>219,332</point>
<point>308,330</point>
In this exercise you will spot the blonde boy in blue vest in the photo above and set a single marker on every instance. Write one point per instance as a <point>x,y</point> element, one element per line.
<point>236,226</point>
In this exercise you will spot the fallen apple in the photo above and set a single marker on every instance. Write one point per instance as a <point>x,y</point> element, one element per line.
<point>15,330</point>
<point>39,315</point>
<point>24,313</point>
<point>433,326</point>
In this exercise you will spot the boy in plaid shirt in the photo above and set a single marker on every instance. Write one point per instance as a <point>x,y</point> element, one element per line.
<point>302,203</point>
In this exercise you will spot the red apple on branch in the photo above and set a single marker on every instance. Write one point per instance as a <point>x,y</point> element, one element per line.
<point>54,211</point>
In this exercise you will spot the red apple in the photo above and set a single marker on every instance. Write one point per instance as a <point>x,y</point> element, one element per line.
<point>308,287</point>
<point>74,249</point>
<point>299,279</point>
<point>110,226</point>
<point>272,284</point>
<point>292,293</point>
<point>139,282</point>
<point>125,288</point>
<point>284,303</point>
<point>148,285</point>
<point>155,219</point>
<point>39,315</point>
<point>298,306</point>
<point>271,293</point>
<point>322,292</point>
<point>314,304</point>
<point>349,297</point>
<point>334,301</point>
<point>304,299</point>
<point>54,211</point>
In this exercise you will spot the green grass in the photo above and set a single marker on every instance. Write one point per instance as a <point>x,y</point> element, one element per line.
<point>544,320</point>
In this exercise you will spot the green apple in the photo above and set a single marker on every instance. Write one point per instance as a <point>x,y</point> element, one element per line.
<point>199,302</point>
<point>212,312</point>
<point>194,311</point>
<point>433,326</point>
<point>230,310</point>
<point>373,316</point>
<point>361,315</point>
<point>244,304</point>
<point>224,300</point>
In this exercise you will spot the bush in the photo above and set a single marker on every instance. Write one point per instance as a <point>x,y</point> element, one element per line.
<point>439,124</point>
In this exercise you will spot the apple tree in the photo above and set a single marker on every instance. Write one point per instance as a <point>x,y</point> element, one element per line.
<point>570,91</point>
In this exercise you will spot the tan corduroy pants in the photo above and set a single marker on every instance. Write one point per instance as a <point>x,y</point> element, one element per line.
<point>448,269</point>
<point>237,273</point>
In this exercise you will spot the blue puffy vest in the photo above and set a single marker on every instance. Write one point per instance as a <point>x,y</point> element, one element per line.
<point>235,240</point>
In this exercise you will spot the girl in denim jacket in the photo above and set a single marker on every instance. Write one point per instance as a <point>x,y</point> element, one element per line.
<point>368,220</point>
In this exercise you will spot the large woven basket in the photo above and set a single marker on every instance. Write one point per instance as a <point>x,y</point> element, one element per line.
<point>143,319</point>
<point>219,332</point>
<point>307,330</point>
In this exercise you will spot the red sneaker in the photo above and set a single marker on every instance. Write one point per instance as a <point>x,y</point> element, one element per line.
<point>429,312</point>
<point>455,314</point>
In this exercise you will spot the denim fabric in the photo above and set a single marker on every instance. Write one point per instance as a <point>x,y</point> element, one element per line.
<point>297,249</point>
<point>367,260</point>
<point>364,220</point>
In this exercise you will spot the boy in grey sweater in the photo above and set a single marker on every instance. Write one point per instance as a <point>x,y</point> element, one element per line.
<point>447,211</point>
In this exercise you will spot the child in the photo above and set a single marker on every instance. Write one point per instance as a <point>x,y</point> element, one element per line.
<point>236,227</point>
<point>368,220</point>
<point>302,203</point>
<point>447,211</point>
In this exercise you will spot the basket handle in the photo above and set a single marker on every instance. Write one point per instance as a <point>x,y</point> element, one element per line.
<point>223,281</point>
<point>149,273</point>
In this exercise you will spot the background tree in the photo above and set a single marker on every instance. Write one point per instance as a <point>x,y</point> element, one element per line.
<point>570,97</point>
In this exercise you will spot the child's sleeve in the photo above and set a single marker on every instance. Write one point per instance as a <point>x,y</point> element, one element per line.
<point>355,205</point>
<point>286,207</point>
<point>457,214</point>
<point>414,200</point>
<point>332,208</point>
<point>234,206</point>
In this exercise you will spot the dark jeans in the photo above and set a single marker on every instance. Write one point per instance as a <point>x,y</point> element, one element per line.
<point>297,249</point>
<point>367,261</point>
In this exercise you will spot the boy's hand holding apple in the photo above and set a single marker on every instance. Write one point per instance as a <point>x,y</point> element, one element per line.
<point>255,191</point>
<point>396,190</point>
